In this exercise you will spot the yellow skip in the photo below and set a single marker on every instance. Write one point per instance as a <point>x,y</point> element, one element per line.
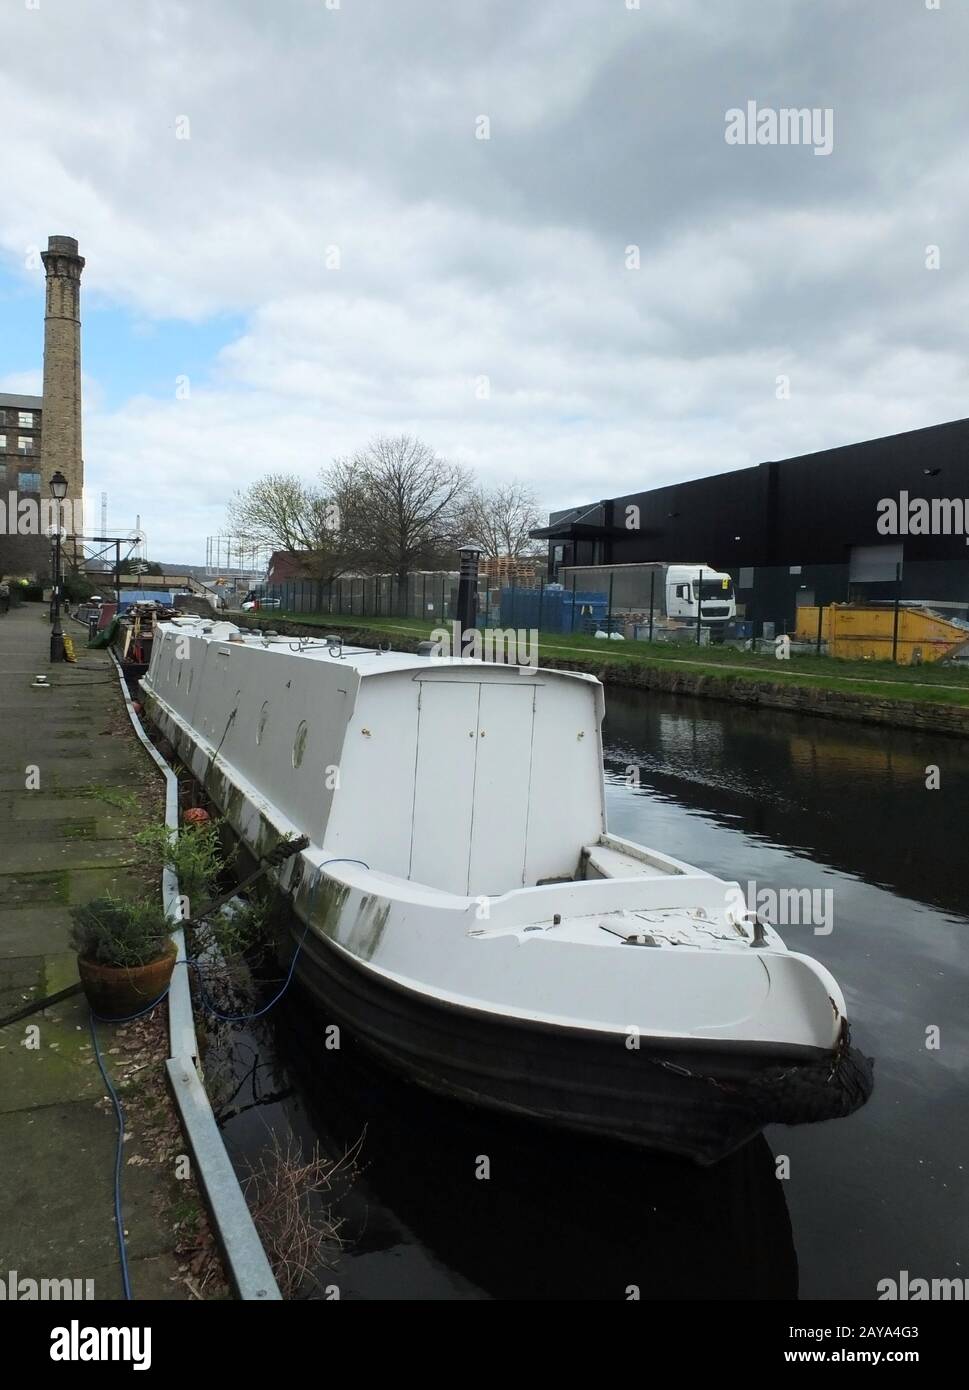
<point>864,632</point>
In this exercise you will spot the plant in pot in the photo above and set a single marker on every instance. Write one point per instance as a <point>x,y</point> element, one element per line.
<point>125,954</point>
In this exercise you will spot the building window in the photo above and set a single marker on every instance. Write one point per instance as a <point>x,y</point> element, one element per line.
<point>26,419</point>
<point>25,445</point>
<point>746,577</point>
<point>30,482</point>
<point>3,475</point>
<point>3,442</point>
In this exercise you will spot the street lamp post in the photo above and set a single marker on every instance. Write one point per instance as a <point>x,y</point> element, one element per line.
<point>58,488</point>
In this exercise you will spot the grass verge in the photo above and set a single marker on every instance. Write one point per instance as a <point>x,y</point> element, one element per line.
<point>948,685</point>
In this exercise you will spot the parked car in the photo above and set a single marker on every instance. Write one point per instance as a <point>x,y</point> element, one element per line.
<point>260,603</point>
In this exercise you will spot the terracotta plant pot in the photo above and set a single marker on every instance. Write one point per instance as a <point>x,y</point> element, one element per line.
<point>118,991</point>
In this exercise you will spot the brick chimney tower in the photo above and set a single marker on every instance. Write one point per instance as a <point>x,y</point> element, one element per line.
<point>61,430</point>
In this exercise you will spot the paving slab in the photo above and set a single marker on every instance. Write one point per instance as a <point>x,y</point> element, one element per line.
<point>44,1213</point>
<point>85,884</point>
<point>42,852</point>
<point>34,931</point>
<point>67,815</point>
<point>21,980</point>
<point>28,806</point>
<point>47,1062</point>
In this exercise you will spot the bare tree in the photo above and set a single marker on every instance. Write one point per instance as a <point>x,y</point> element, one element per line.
<point>407,506</point>
<point>500,518</point>
<point>284,512</point>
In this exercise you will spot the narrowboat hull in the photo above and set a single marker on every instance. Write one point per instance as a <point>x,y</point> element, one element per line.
<point>697,1099</point>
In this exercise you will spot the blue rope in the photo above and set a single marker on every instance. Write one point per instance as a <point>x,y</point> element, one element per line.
<point>247,1018</point>
<point>119,1110</point>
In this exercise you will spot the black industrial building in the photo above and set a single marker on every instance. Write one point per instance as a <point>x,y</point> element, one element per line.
<point>802,530</point>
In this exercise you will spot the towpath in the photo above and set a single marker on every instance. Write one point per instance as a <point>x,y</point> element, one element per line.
<point>64,841</point>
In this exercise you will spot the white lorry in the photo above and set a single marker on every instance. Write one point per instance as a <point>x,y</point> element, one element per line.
<point>676,590</point>
<point>685,586</point>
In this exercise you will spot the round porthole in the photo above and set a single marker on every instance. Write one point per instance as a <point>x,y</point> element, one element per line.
<point>299,743</point>
<point>263,717</point>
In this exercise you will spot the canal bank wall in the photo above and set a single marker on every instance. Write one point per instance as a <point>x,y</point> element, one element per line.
<point>931,717</point>
<point>818,702</point>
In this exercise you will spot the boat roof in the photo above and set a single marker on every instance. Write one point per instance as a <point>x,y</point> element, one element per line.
<point>422,793</point>
<point>366,661</point>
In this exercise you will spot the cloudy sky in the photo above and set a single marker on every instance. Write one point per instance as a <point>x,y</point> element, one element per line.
<point>333,251</point>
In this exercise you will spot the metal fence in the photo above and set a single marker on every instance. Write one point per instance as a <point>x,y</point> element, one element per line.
<point>913,612</point>
<point>428,595</point>
<point>920,615</point>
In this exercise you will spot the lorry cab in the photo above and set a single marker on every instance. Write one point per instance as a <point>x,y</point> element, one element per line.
<point>690,585</point>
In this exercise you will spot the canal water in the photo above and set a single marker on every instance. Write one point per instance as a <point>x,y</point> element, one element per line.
<point>840,813</point>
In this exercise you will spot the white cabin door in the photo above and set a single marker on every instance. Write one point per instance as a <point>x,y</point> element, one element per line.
<point>447,741</point>
<point>474,749</point>
<point>502,775</point>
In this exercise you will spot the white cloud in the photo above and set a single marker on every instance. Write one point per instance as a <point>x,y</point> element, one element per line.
<point>313,128</point>
<point>23,383</point>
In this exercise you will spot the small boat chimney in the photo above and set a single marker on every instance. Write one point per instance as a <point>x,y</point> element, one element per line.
<point>467,604</point>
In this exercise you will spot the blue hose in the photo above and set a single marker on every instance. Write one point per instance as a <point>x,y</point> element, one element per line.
<point>119,1113</point>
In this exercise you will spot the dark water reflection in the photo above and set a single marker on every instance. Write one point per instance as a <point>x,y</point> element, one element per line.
<point>788,803</point>
<point>559,1217</point>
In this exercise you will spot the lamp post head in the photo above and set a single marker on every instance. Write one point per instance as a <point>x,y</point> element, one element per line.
<point>58,486</point>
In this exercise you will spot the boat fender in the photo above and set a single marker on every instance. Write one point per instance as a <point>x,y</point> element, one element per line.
<point>827,1089</point>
